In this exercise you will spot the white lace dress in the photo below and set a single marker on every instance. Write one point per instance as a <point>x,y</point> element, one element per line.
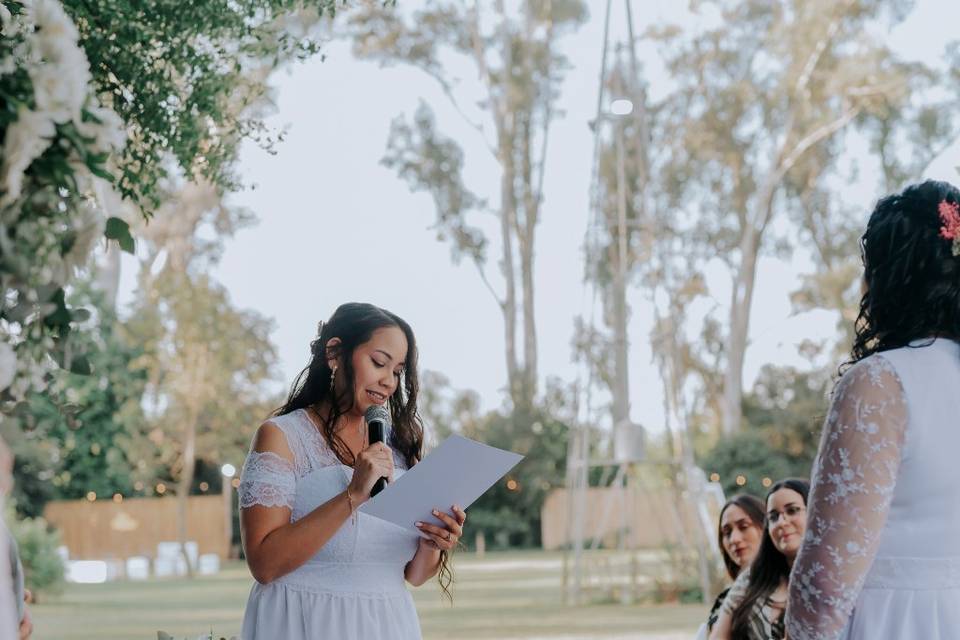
<point>881,558</point>
<point>354,586</point>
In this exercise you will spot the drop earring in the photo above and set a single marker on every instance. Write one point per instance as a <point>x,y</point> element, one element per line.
<point>333,375</point>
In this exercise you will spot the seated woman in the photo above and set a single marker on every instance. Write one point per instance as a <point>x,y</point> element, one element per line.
<point>738,534</point>
<point>754,606</point>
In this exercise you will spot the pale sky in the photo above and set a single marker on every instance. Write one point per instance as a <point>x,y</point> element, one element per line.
<point>336,226</point>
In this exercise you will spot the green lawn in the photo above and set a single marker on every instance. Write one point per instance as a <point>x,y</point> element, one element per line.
<point>504,595</point>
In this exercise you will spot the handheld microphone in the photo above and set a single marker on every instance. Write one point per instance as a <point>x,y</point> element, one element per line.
<point>378,428</point>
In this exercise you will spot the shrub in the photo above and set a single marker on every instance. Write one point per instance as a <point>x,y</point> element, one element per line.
<point>43,569</point>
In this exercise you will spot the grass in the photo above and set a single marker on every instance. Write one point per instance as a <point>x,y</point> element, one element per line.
<point>502,596</point>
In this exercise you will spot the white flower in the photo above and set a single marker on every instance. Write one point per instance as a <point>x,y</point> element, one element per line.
<point>109,134</point>
<point>57,36</point>
<point>88,224</point>
<point>60,80</point>
<point>7,65</point>
<point>5,21</point>
<point>60,89</point>
<point>8,365</point>
<point>26,140</point>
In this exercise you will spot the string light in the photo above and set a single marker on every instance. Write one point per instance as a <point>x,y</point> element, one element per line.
<point>766,482</point>
<point>512,485</point>
<point>741,480</point>
<point>161,488</point>
<point>204,486</point>
<point>714,477</point>
<point>91,496</point>
<point>117,498</point>
<point>138,485</point>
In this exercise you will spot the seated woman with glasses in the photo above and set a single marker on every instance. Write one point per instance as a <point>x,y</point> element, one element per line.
<point>754,606</point>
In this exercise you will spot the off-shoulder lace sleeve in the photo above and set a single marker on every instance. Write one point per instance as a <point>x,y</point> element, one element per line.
<point>267,479</point>
<point>854,479</point>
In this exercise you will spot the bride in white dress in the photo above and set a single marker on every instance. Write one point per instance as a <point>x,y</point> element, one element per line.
<point>322,570</point>
<point>880,558</point>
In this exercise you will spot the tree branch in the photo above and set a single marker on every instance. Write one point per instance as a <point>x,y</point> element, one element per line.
<point>815,136</point>
<point>804,79</point>
<point>447,89</point>
<point>547,112</point>
<point>483,276</point>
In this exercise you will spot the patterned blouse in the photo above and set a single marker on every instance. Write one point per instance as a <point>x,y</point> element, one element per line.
<point>766,619</point>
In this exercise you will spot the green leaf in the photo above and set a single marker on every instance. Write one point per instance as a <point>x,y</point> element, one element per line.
<point>119,230</point>
<point>61,316</point>
<point>80,365</point>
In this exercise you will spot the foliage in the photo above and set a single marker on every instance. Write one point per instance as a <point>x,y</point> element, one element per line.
<point>789,406</point>
<point>207,363</point>
<point>509,514</point>
<point>519,68</point>
<point>749,454</point>
<point>445,410</point>
<point>56,137</point>
<point>79,436</point>
<point>43,569</point>
<point>181,75</point>
<point>102,94</point>
<point>785,410</point>
<point>754,143</point>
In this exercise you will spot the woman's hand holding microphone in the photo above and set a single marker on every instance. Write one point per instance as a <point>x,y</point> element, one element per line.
<point>373,463</point>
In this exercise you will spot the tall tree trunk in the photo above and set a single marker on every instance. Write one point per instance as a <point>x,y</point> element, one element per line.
<point>741,302</point>
<point>621,390</point>
<point>509,306</point>
<point>183,486</point>
<point>506,121</point>
<point>526,234</point>
<point>529,326</point>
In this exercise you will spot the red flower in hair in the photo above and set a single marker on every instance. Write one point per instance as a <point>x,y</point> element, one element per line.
<point>950,216</point>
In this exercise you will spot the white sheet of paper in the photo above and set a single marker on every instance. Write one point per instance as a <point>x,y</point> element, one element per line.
<point>457,472</point>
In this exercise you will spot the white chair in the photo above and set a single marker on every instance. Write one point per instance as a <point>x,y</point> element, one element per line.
<point>170,552</point>
<point>115,569</point>
<point>164,567</point>
<point>138,568</point>
<point>209,564</point>
<point>86,571</point>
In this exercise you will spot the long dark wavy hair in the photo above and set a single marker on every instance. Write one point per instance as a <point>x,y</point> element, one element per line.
<point>769,568</point>
<point>353,324</point>
<point>753,507</point>
<point>912,278</point>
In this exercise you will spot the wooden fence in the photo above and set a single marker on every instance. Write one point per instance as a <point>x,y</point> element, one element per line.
<point>115,530</point>
<point>653,518</point>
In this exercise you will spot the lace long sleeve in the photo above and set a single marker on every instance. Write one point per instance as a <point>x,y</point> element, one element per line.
<point>267,479</point>
<point>854,478</point>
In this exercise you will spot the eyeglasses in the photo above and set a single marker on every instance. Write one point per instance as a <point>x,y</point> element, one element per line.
<point>792,511</point>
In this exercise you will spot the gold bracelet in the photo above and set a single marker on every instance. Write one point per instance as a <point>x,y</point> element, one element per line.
<point>353,510</point>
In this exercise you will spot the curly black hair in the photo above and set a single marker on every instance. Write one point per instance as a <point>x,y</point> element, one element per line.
<point>912,278</point>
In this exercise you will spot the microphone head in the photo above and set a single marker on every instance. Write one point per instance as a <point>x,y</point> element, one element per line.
<point>378,423</point>
<point>377,413</point>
